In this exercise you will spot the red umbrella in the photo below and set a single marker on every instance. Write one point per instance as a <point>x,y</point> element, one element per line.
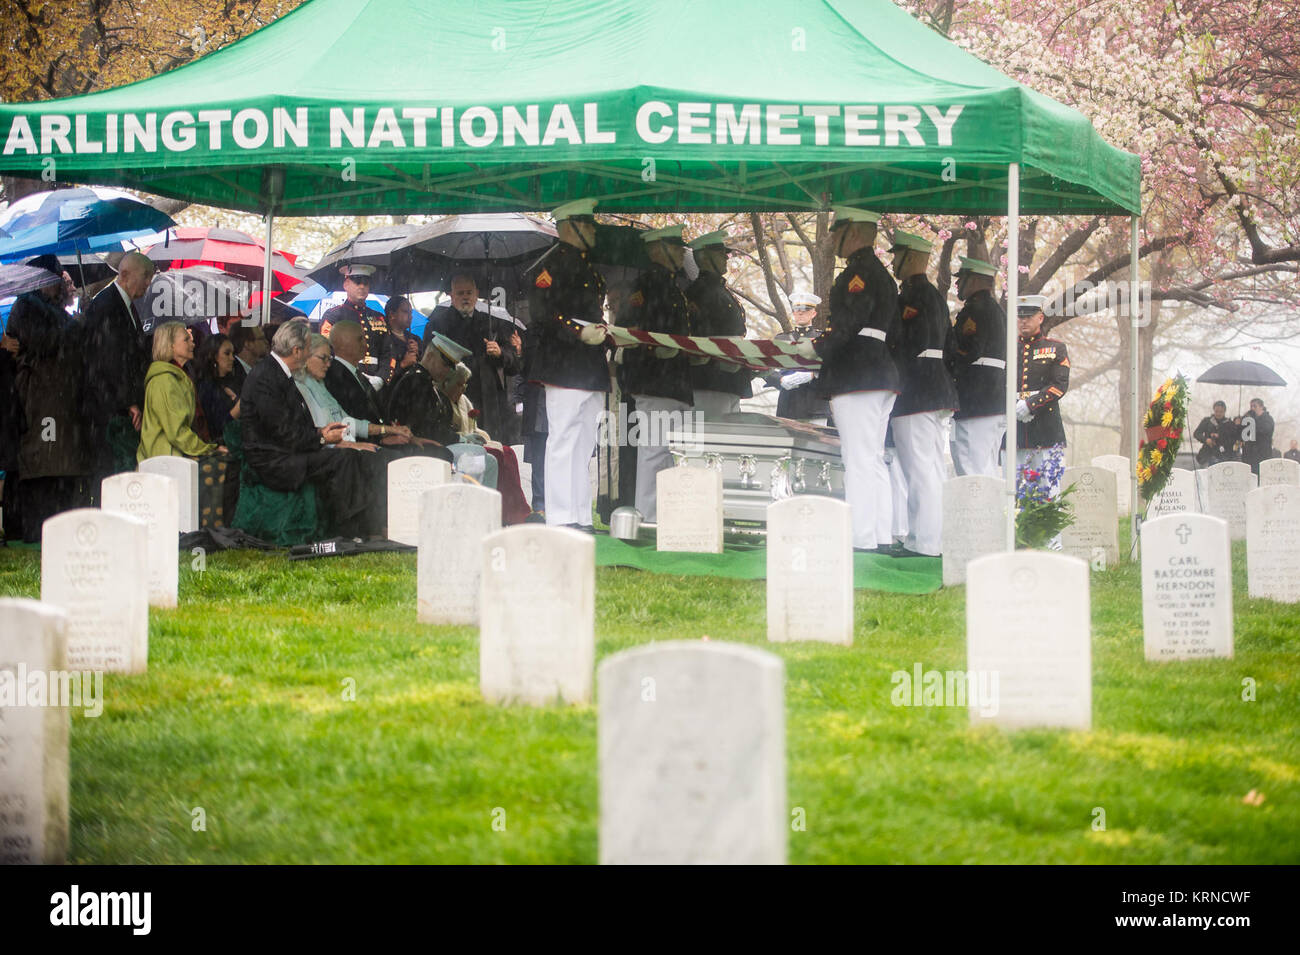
<point>229,250</point>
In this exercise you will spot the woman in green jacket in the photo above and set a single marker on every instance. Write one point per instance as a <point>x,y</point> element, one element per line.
<point>167,427</point>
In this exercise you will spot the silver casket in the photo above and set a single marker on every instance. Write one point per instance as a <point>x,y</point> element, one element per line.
<point>762,458</point>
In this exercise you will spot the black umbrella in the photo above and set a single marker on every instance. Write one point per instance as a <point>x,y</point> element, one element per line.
<point>193,295</point>
<point>17,279</point>
<point>1242,373</point>
<point>397,272</point>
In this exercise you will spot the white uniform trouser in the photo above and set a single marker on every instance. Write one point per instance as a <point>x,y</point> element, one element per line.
<point>715,404</point>
<point>897,495</point>
<point>661,415</point>
<point>919,439</point>
<point>572,417</point>
<point>862,418</point>
<point>975,443</point>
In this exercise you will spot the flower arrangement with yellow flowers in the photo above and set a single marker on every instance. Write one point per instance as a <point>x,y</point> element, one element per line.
<point>1164,423</point>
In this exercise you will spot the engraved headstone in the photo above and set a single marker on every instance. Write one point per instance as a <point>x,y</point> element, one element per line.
<point>974,523</point>
<point>1028,633</point>
<point>1123,469</point>
<point>153,499</point>
<point>408,478</point>
<point>537,636</point>
<point>1178,496</point>
<point>689,501</point>
<point>1186,587</point>
<point>33,734</point>
<point>810,570</point>
<point>95,567</point>
<point>1094,535</point>
<point>185,472</point>
<point>1273,543</point>
<point>454,519</point>
<point>1226,486</point>
<point>692,756</point>
<point>1279,471</point>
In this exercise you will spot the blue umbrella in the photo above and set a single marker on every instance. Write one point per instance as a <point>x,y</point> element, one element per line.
<point>78,220</point>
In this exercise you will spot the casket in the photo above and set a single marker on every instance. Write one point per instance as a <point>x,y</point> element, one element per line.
<point>762,458</point>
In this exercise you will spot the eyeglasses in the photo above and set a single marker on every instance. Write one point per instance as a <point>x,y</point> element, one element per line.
<point>325,358</point>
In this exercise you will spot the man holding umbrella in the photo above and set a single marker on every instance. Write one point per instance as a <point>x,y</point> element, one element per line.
<point>566,306</point>
<point>1256,435</point>
<point>356,284</point>
<point>494,355</point>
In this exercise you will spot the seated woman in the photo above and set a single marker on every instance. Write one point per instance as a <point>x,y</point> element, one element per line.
<point>514,506</point>
<point>167,424</point>
<point>324,407</point>
<point>218,394</point>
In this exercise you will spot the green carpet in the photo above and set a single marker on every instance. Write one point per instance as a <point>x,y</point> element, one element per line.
<point>899,575</point>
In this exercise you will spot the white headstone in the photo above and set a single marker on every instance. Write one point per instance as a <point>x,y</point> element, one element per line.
<point>810,570</point>
<point>1227,485</point>
<point>1279,471</point>
<point>1186,587</point>
<point>1178,496</point>
<point>185,473</point>
<point>689,501</point>
<point>692,756</point>
<point>454,519</point>
<point>408,478</point>
<point>153,499</point>
<point>974,523</point>
<point>1273,543</point>
<point>537,633</point>
<point>1028,632</point>
<point>95,567</point>
<point>1123,469</point>
<point>1094,535</point>
<point>33,734</point>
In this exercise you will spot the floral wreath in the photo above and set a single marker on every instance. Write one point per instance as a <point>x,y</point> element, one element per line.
<point>1164,422</point>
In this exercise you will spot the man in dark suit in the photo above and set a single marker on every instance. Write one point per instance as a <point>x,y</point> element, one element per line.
<point>117,354</point>
<point>344,379</point>
<point>287,450</point>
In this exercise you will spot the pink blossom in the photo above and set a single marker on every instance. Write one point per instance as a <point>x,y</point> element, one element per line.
<point>1024,269</point>
<point>944,235</point>
<point>972,226</point>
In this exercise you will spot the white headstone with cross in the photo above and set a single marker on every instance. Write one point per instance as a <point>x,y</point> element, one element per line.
<point>1186,587</point>
<point>973,525</point>
<point>1273,543</point>
<point>810,570</point>
<point>454,519</point>
<point>537,633</point>
<point>689,501</point>
<point>692,756</point>
<point>153,498</point>
<point>1227,485</point>
<point>408,478</point>
<point>1178,496</point>
<point>1279,471</point>
<point>1094,535</point>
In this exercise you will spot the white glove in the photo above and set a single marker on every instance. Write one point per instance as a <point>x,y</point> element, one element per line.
<point>593,334</point>
<point>804,349</point>
<point>795,379</point>
<point>665,351</point>
<point>1022,411</point>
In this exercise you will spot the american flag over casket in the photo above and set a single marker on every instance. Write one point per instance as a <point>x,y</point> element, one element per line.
<point>755,355</point>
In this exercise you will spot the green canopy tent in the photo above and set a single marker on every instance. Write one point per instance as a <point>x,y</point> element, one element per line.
<point>430,106</point>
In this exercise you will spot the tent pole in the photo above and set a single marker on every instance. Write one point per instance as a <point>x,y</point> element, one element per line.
<point>1013,292</point>
<point>1135,420</point>
<point>266,265</point>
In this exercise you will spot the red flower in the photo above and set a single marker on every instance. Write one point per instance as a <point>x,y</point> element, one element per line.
<point>473,413</point>
<point>1169,406</point>
<point>1162,444</point>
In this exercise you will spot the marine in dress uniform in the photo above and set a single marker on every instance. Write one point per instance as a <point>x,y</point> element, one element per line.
<point>658,378</point>
<point>566,306</point>
<point>1042,378</point>
<point>858,372</point>
<point>928,395</point>
<point>718,385</point>
<point>356,283</point>
<point>975,355</point>
<point>799,398</point>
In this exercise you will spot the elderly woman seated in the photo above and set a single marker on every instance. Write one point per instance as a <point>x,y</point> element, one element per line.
<point>324,407</point>
<point>167,423</point>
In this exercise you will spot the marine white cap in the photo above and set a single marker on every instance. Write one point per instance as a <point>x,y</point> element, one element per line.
<point>669,233</point>
<point>578,207</point>
<point>805,300</point>
<point>847,214</point>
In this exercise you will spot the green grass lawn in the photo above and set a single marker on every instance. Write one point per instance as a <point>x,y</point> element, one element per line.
<point>243,715</point>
